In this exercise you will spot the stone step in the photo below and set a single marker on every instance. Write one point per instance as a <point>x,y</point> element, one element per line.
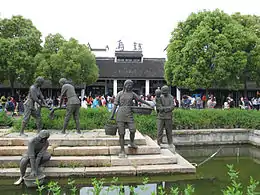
<point>150,148</point>
<point>105,171</point>
<point>166,157</point>
<point>182,166</point>
<point>87,138</point>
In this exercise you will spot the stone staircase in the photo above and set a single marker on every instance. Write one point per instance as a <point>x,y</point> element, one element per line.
<point>93,153</point>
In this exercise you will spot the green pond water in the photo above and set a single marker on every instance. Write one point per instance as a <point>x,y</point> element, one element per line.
<point>211,176</point>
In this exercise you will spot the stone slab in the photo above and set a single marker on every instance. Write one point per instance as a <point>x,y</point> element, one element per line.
<point>141,150</point>
<point>183,166</point>
<point>12,150</point>
<point>79,161</point>
<point>151,147</point>
<point>163,169</point>
<point>10,172</point>
<point>81,151</point>
<point>16,150</point>
<point>209,136</point>
<point>166,157</point>
<point>64,171</point>
<point>110,171</point>
<point>87,138</point>
<point>4,132</point>
<point>62,161</point>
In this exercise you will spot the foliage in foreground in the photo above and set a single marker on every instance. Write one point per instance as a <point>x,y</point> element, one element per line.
<point>117,188</point>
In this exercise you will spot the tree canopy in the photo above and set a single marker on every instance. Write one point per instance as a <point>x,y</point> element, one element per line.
<point>251,71</point>
<point>209,49</point>
<point>69,59</point>
<point>44,60</point>
<point>19,42</point>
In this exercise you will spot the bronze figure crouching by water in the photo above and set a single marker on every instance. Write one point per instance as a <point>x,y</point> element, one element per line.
<point>36,155</point>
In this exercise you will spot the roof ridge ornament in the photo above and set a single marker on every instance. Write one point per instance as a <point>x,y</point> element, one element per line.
<point>120,46</point>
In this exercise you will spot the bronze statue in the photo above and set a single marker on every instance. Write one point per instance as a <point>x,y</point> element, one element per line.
<point>36,155</point>
<point>124,117</point>
<point>73,104</point>
<point>33,104</point>
<point>164,107</point>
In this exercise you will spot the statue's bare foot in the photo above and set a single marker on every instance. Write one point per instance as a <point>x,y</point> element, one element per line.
<point>172,148</point>
<point>122,155</point>
<point>132,145</point>
<point>19,181</point>
<point>23,135</point>
<point>40,171</point>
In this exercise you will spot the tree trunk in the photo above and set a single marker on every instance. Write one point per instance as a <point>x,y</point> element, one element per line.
<point>245,88</point>
<point>207,95</point>
<point>51,90</point>
<point>12,86</point>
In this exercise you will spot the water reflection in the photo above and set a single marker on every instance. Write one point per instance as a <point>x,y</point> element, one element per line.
<point>147,189</point>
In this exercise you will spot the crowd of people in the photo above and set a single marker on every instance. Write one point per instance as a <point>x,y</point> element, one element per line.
<point>198,101</point>
<point>13,105</point>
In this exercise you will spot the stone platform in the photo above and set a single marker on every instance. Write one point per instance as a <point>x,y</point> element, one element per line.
<point>93,153</point>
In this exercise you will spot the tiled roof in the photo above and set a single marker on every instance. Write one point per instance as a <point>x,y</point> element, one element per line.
<point>129,54</point>
<point>152,68</point>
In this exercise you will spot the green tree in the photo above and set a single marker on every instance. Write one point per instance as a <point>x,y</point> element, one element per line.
<point>19,43</point>
<point>251,48</point>
<point>205,51</point>
<point>45,60</point>
<point>67,59</point>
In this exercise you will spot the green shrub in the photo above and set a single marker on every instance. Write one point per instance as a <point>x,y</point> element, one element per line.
<point>5,120</point>
<point>89,119</point>
<point>183,119</point>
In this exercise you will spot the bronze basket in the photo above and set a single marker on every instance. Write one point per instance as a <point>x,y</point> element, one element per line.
<point>31,182</point>
<point>141,110</point>
<point>110,129</point>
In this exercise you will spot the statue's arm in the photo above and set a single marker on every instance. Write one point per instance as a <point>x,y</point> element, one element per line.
<point>158,104</point>
<point>171,106</point>
<point>62,94</point>
<point>137,98</point>
<point>40,154</point>
<point>116,103</point>
<point>42,98</point>
<point>31,154</point>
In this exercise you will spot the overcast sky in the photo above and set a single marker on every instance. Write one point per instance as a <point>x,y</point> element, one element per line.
<point>104,22</point>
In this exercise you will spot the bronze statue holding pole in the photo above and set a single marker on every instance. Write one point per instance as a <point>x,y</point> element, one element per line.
<point>33,104</point>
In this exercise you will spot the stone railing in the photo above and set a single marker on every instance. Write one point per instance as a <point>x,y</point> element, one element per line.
<point>215,137</point>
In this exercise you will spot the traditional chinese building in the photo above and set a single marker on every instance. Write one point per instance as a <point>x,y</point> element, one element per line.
<point>146,73</point>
